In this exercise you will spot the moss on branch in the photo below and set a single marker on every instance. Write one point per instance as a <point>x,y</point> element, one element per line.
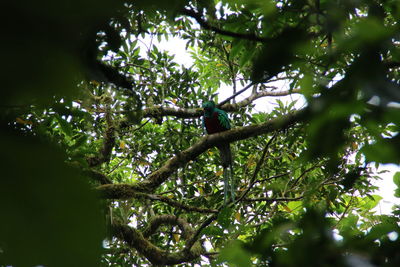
<point>138,240</point>
<point>154,180</point>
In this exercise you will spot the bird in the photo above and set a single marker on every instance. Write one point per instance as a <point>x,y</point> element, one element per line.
<point>215,121</point>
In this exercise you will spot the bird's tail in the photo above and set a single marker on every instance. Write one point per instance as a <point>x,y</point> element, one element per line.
<point>226,155</point>
<point>226,161</point>
<point>229,184</point>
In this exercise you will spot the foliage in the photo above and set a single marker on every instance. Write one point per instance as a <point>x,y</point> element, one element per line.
<point>104,132</point>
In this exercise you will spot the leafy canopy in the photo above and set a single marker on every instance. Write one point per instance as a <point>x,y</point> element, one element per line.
<point>103,151</point>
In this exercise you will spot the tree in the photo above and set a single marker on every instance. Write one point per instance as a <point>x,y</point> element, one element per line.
<point>133,168</point>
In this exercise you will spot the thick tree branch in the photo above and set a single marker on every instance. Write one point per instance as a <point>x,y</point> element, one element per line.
<point>103,179</point>
<point>172,220</point>
<point>137,240</point>
<point>104,154</point>
<point>158,177</point>
<point>158,111</point>
<point>121,191</point>
<point>240,133</point>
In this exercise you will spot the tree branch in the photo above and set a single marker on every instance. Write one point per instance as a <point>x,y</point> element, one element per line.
<point>236,94</point>
<point>103,179</point>
<point>135,239</point>
<point>117,191</point>
<point>180,205</point>
<point>159,220</point>
<point>257,169</point>
<point>190,242</point>
<point>391,64</point>
<point>125,191</point>
<point>156,112</point>
<point>206,25</point>
<point>176,204</point>
<point>305,172</point>
<point>104,154</point>
<point>251,98</point>
<point>266,199</point>
<point>272,177</point>
<point>159,111</point>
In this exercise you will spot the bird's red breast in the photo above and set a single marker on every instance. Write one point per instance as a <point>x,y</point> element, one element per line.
<point>213,124</point>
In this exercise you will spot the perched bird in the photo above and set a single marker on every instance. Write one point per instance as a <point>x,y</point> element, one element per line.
<point>214,121</point>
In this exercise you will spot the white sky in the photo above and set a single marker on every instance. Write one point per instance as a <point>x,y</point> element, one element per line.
<point>176,46</point>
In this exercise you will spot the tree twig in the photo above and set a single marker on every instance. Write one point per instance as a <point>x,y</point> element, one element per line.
<point>257,169</point>
<point>267,199</point>
<point>206,25</point>
<point>236,94</point>
<point>195,236</point>
<point>179,204</point>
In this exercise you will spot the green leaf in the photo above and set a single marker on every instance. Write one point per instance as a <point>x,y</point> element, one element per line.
<point>349,222</point>
<point>237,46</point>
<point>225,217</point>
<point>397,192</point>
<point>79,141</point>
<point>380,230</point>
<point>396,179</point>
<point>246,56</point>
<point>213,230</point>
<point>295,205</point>
<point>65,126</point>
<point>383,151</point>
<point>371,202</point>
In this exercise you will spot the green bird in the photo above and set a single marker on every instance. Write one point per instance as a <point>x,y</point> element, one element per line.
<point>214,121</point>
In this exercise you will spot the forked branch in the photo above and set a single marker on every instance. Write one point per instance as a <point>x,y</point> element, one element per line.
<point>154,180</point>
<point>138,240</point>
